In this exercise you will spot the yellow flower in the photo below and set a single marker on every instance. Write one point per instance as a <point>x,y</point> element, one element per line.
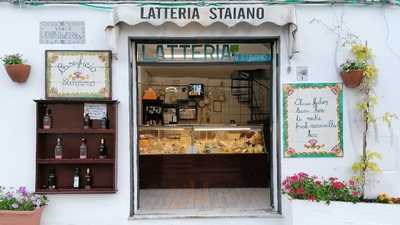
<point>361,52</point>
<point>362,106</point>
<point>370,71</point>
<point>372,100</point>
<point>389,117</point>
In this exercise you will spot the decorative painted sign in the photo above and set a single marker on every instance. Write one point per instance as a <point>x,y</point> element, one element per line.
<point>78,74</point>
<point>62,32</point>
<point>313,120</point>
<point>95,111</point>
<point>204,52</point>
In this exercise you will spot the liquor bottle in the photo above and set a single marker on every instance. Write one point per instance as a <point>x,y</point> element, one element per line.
<point>77,179</point>
<point>58,150</point>
<point>87,122</point>
<point>102,149</point>
<point>88,179</point>
<point>83,149</point>
<point>47,119</point>
<point>104,123</point>
<point>174,119</point>
<point>51,179</point>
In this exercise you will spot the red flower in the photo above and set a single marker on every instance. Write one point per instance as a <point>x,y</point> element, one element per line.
<point>302,174</point>
<point>338,185</point>
<point>299,191</point>
<point>312,198</point>
<point>294,178</point>
<point>355,193</point>
<point>318,182</point>
<point>332,179</point>
<point>353,183</point>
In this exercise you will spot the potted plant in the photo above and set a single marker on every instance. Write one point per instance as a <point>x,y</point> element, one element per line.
<point>20,207</point>
<point>16,69</point>
<point>359,66</point>
<point>352,73</point>
<point>310,200</point>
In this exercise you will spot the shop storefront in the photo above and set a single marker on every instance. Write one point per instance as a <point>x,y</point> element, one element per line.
<point>205,108</point>
<point>204,121</point>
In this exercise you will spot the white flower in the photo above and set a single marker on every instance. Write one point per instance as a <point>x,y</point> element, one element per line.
<point>14,205</point>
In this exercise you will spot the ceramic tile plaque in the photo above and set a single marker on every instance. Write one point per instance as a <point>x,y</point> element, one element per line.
<point>78,74</point>
<point>313,120</point>
<point>62,32</point>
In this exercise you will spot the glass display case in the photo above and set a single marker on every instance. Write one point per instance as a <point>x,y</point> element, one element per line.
<point>201,140</point>
<point>164,140</point>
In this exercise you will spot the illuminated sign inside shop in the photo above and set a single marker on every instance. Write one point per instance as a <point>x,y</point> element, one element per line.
<point>204,52</point>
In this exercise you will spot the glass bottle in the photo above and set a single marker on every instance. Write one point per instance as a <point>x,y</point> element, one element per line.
<point>174,119</point>
<point>77,179</point>
<point>87,122</point>
<point>104,123</point>
<point>58,150</point>
<point>51,179</point>
<point>47,119</point>
<point>88,179</point>
<point>102,149</point>
<point>83,149</point>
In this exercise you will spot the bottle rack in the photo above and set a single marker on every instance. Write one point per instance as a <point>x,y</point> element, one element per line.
<point>67,123</point>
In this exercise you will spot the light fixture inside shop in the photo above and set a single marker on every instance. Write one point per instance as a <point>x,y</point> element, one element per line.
<point>222,129</point>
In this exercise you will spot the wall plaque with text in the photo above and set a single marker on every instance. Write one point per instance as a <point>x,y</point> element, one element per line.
<point>62,32</point>
<point>313,120</point>
<point>78,74</point>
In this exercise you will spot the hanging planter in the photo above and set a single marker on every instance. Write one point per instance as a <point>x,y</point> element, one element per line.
<point>353,72</point>
<point>353,78</point>
<point>16,70</point>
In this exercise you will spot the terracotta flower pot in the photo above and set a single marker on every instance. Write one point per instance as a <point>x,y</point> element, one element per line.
<point>18,72</point>
<point>353,78</point>
<point>10,217</point>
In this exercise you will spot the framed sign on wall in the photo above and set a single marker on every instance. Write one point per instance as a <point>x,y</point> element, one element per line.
<point>75,74</point>
<point>313,120</point>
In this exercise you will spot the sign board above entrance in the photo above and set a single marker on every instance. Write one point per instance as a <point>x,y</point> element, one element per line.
<point>204,52</point>
<point>229,15</point>
<point>183,14</point>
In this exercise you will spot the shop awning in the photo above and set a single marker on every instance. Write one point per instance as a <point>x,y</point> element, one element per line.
<point>229,15</point>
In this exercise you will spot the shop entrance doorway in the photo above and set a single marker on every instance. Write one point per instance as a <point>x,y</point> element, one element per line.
<point>204,117</point>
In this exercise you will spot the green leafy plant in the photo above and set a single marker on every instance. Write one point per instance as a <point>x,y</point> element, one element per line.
<point>352,65</point>
<point>12,59</point>
<point>20,199</point>
<point>303,186</point>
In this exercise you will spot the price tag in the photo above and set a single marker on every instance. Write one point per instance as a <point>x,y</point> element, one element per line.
<point>95,111</point>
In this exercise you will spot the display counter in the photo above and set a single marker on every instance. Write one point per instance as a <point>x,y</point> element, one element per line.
<point>201,139</point>
<point>202,156</point>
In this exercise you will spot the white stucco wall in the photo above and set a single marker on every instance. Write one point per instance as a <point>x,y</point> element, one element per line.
<point>20,33</point>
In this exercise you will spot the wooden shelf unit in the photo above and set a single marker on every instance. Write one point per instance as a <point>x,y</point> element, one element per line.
<point>67,123</point>
<point>77,191</point>
<point>75,131</point>
<point>75,161</point>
